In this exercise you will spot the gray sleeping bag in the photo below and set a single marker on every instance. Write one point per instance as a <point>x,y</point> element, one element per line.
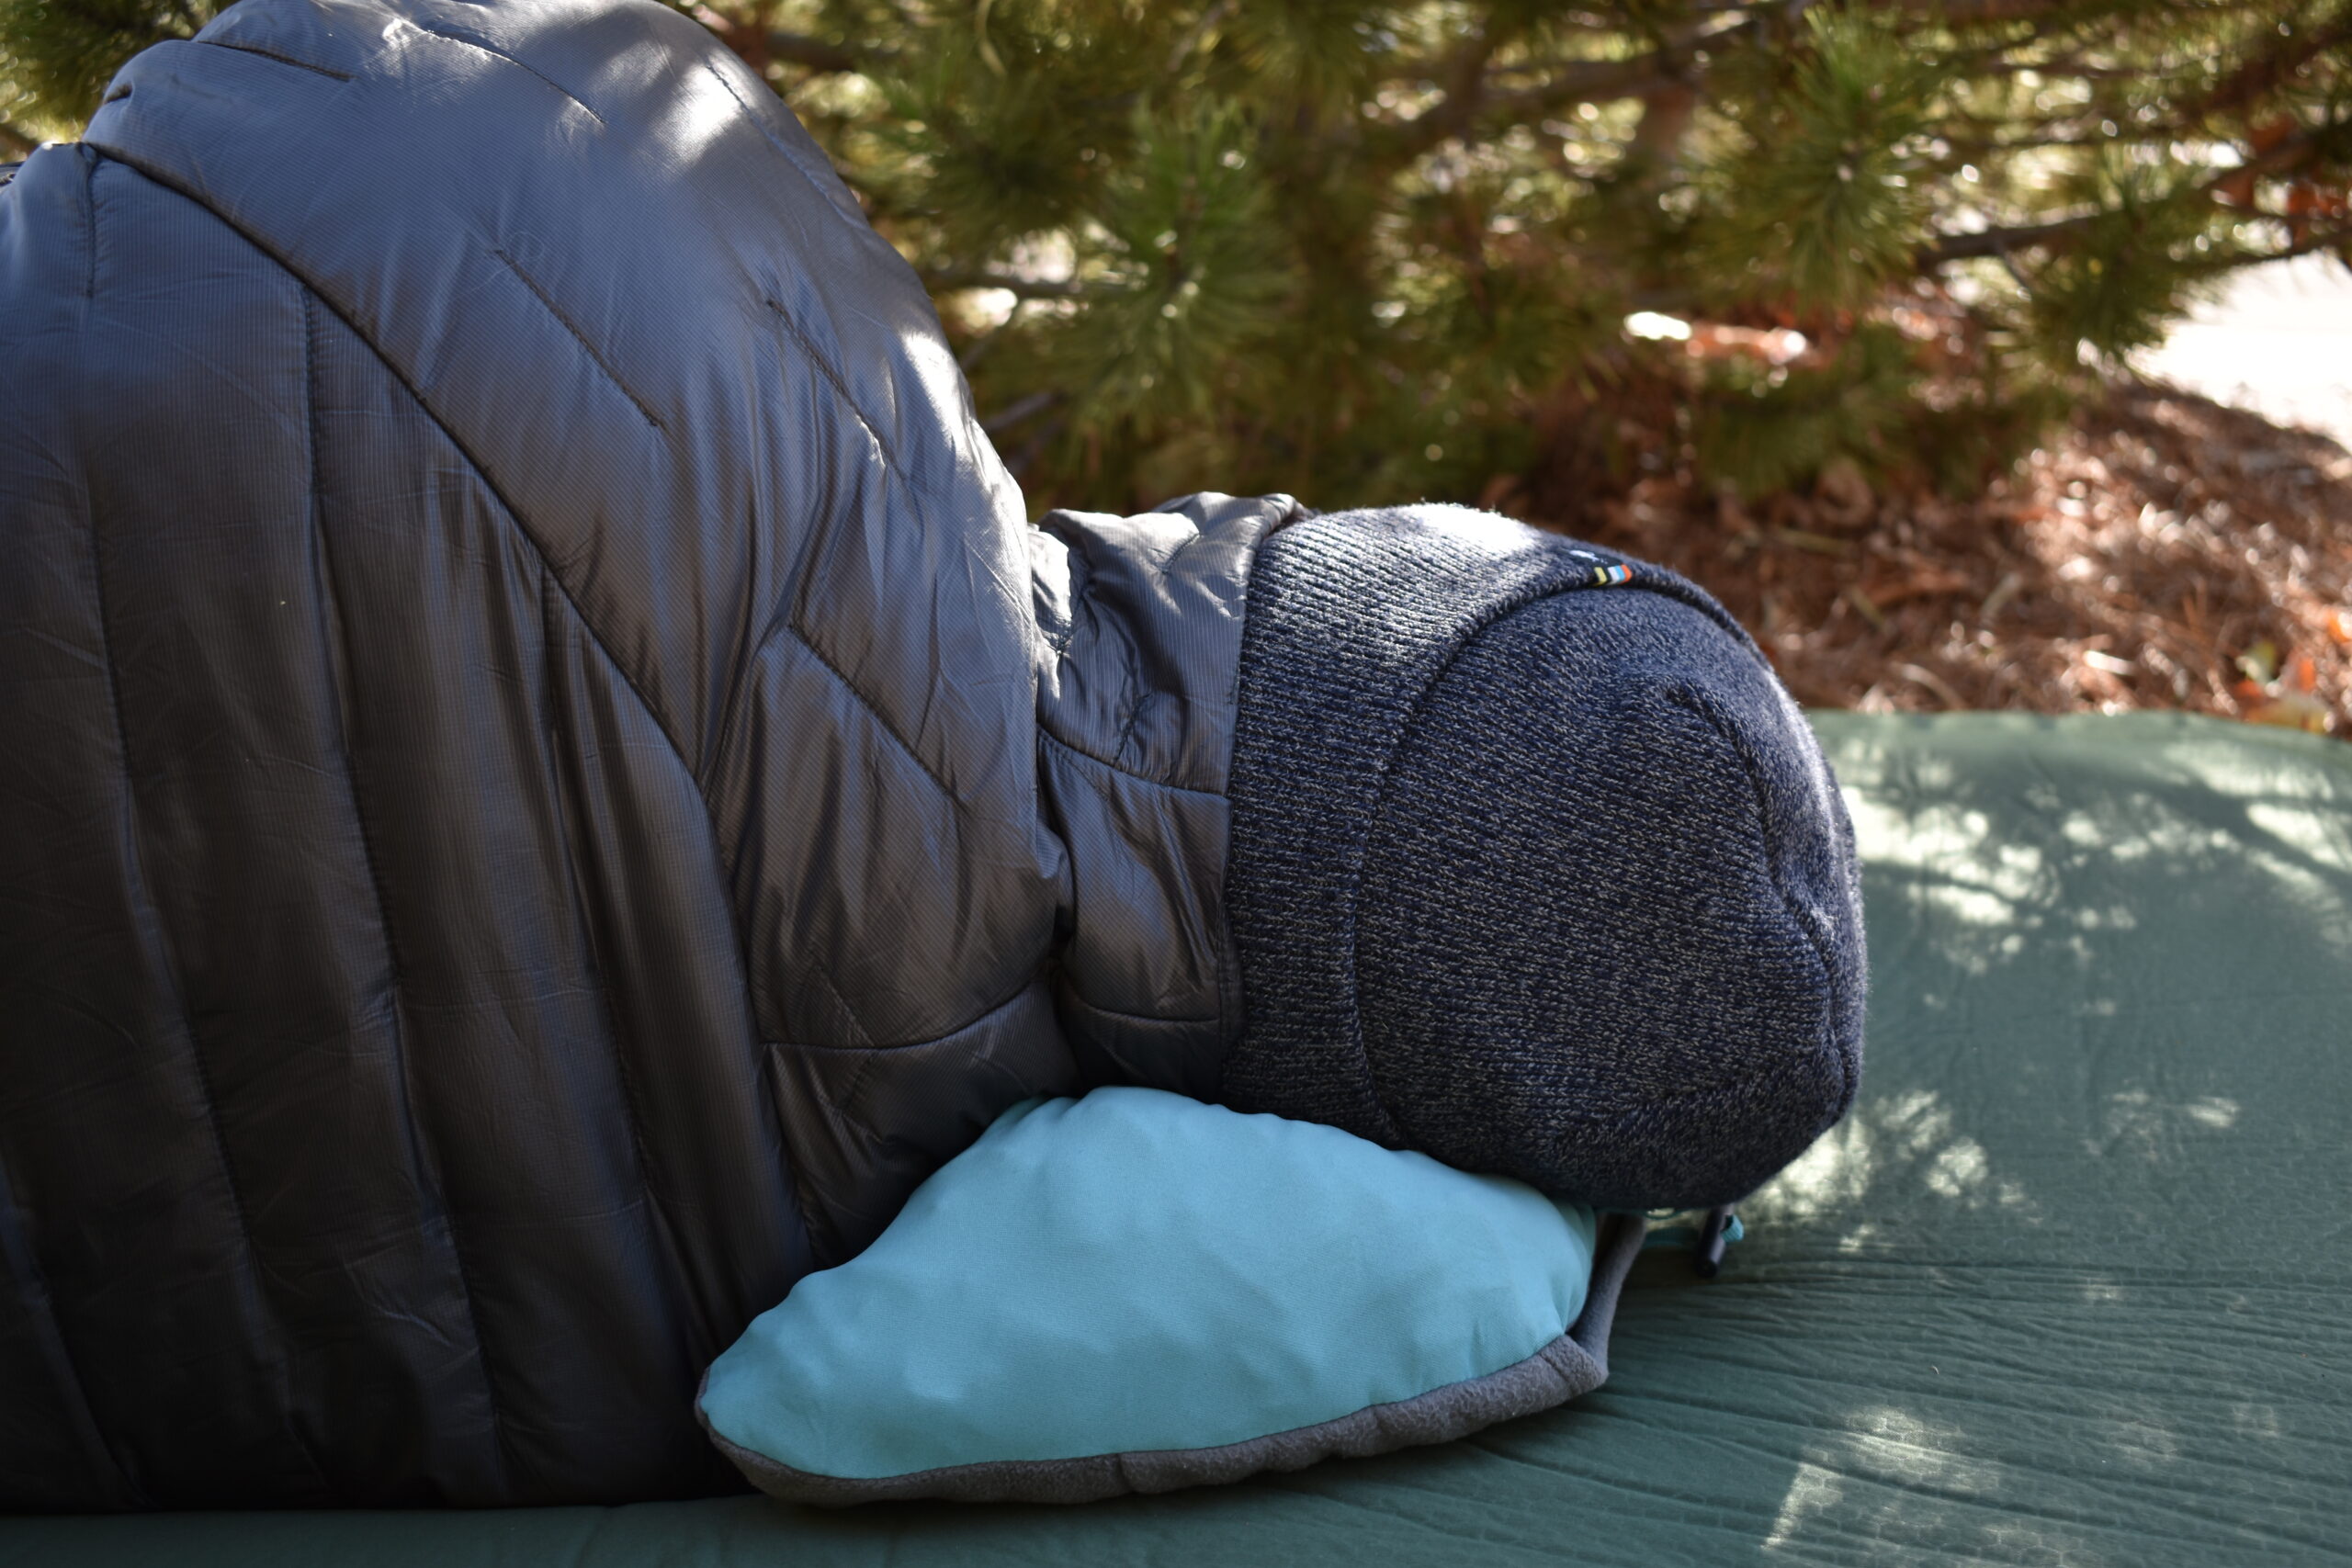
<point>537,796</point>
<point>547,784</point>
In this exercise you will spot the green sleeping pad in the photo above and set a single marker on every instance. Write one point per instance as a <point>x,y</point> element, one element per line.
<point>2071,1285</point>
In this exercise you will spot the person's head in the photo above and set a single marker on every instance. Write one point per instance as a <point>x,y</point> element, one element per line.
<point>1536,868</point>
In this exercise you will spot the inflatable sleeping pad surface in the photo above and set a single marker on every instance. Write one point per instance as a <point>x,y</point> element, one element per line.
<point>2071,1284</point>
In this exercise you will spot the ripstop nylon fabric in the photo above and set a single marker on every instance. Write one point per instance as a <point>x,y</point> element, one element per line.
<point>522,825</point>
<point>1138,1270</point>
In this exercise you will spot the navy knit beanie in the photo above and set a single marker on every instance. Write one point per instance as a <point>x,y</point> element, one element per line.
<point>1536,868</point>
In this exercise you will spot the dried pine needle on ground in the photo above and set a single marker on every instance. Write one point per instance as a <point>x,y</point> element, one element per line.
<point>2163,551</point>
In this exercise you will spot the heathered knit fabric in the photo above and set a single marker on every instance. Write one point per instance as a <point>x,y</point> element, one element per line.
<point>1537,867</point>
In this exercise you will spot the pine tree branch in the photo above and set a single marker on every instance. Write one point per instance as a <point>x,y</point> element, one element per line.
<point>1595,81</point>
<point>824,59</point>
<point>1465,89</point>
<point>2065,67</point>
<point>976,352</point>
<point>1985,150</point>
<point>2305,239</point>
<point>2333,237</point>
<point>1206,23</point>
<point>1972,13</point>
<point>2288,154</point>
<point>1571,82</point>
<point>1473,90</point>
<point>1673,66</point>
<point>1984,243</point>
<point>2265,74</point>
<point>15,143</point>
<point>1020,288</point>
<point>1020,465</point>
<point>1020,409</point>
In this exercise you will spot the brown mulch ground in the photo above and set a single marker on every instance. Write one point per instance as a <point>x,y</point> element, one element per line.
<point>2163,552</point>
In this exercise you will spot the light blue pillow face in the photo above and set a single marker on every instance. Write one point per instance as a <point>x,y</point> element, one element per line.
<point>1136,1271</point>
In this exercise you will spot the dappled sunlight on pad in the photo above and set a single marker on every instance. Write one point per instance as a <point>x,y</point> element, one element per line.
<point>1887,1474</point>
<point>2003,878</point>
<point>2135,1121</point>
<point>2047,1289</point>
<point>2068,1287</point>
<point>1886,1149</point>
<point>1813,1489</point>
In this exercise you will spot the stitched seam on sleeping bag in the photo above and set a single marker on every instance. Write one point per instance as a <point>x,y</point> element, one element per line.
<point>825,977</point>
<point>568,814</point>
<point>880,718</point>
<point>1013,595</point>
<point>513,515</point>
<point>891,471</point>
<point>23,1262</point>
<point>90,206</point>
<point>850,1129</point>
<point>138,866</point>
<point>1081,997</point>
<point>1011,1000</point>
<point>853,1127</point>
<point>1075,560</point>
<point>840,387</point>
<point>819,1215</point>
<point>1080,752</point>
<point>596,357</point>
<point>340,630</point>
<point>500,54</point>
<point>890,467</point>
<point>1134,712</point>
<point>130,806</point>
<point>513,519</point>
<point>179,986</point>
<point>790,156</point>
<point>272,55</point>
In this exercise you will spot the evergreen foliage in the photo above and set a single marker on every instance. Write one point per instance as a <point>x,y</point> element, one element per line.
<point>1367,250</point>
<point>56,55</point>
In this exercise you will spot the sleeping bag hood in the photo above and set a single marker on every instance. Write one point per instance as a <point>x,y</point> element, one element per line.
<point>548,781</point>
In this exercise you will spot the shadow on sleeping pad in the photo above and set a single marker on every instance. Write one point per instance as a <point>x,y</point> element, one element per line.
<point>2068,1285</point>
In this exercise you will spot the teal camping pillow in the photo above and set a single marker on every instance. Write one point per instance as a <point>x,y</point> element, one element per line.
<point>1135,1292</point>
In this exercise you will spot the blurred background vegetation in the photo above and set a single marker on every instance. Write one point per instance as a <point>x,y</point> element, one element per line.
<point>1646,270</point>
<point>1362,251</point>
